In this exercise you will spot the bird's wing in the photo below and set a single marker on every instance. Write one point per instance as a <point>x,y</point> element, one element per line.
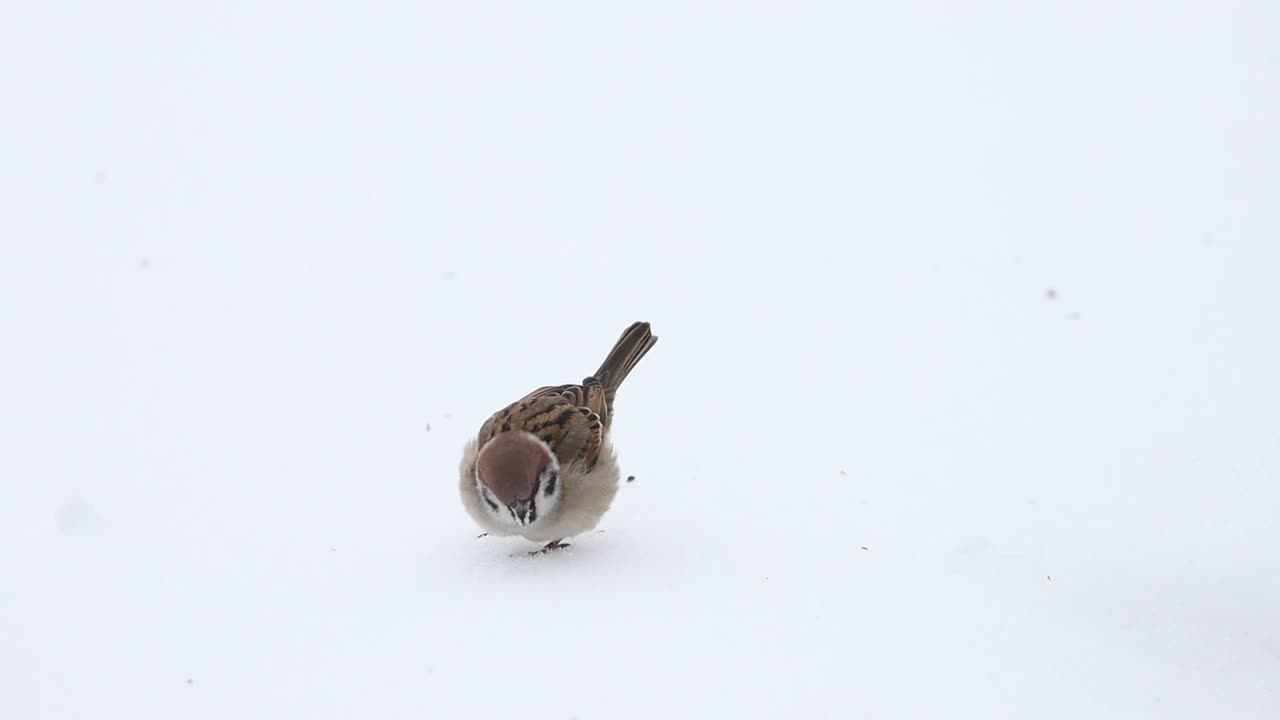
<point>566,417</point>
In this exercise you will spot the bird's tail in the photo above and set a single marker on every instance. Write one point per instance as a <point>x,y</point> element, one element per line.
<point>631,346</point>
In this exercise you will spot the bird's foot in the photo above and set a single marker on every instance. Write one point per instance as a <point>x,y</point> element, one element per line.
<point>482,535</point>
<point>553,545</point>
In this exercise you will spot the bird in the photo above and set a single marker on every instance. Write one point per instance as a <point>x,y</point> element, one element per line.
<point>544,467</point>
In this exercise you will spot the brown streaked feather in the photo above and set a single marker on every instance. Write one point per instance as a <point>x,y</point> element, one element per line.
<point>634,343</point>
<point>572,432</point>
<point>573,419</point>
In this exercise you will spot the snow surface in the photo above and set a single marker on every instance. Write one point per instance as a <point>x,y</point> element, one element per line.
<point>965,404</point>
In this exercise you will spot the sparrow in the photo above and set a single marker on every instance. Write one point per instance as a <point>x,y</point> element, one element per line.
<point>544,467</point>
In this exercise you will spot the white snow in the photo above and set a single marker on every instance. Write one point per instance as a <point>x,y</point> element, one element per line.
<point>965,403</point>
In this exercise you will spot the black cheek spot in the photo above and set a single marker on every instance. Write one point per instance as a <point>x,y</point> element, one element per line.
<point>492,505</point>
<point>551,485</point>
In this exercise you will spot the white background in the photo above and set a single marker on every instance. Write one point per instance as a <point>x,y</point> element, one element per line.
<point>988,289</point>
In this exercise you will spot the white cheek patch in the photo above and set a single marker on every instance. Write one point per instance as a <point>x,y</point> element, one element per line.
<point>550,488</point>
<point>489,500</point>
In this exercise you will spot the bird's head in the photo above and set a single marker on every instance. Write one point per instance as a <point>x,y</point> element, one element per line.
<point>518,478</point>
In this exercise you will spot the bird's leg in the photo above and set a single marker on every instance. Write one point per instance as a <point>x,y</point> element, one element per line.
<point>482,535</point>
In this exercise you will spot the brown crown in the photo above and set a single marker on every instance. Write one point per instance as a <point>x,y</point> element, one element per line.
<point>509,466</point>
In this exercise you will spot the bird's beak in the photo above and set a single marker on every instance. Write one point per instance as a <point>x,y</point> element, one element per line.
<point>523,510</point>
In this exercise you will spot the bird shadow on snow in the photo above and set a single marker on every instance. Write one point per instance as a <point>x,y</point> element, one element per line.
<point>599,553</point>
<point>521,549</point>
